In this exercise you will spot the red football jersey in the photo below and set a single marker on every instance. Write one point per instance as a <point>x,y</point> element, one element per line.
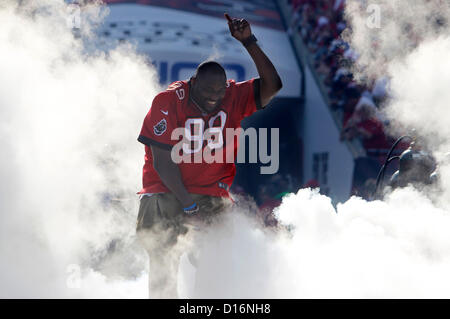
<point>173,109</point>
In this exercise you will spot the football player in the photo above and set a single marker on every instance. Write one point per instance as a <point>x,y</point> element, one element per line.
<point>177,193</point>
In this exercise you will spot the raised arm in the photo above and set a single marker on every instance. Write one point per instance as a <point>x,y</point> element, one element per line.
<point>270,80</point>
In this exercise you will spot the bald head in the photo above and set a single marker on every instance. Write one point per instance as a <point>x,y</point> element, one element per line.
<point>211,68</point>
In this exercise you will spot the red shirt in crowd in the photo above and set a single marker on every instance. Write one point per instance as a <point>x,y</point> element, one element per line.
<point>174,109</point>
<point>378,138</point>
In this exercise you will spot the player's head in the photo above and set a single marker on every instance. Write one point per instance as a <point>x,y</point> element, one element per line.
<point>208,85</point>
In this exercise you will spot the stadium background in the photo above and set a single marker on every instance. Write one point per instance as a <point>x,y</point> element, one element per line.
<point>311,110</point>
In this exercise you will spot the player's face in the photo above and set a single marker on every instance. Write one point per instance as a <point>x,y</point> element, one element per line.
<point>209,90</point>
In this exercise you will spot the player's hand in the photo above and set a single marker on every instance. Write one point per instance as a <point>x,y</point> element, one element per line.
<point>191,210</point>
<point>239,28</point>
<point>193,218</point>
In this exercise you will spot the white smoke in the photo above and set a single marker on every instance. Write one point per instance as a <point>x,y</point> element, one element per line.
<point>411,46</point>
<point>70,167</point>
<point>70,164</point>
<point>382,31</point>
<point>395,248</point>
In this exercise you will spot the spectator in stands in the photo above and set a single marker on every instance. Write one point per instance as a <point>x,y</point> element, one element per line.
<point>320,23</point>
<point>364,124</point>
<point>368,191</point>
<point>270,220</point>
<point>270,196</point>
<point>267,205</point>
<point>379,90</point>
<point>312,183</point>
<point>237,189</point>
<point>281,185</point>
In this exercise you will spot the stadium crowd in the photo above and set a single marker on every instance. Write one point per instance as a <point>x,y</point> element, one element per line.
<point>320,24</point>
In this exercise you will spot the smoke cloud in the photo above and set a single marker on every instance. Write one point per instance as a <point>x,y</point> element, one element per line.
<point>410,45</point>
<point>394,248</point>
<point>381,249</point>
<point>70,164</point>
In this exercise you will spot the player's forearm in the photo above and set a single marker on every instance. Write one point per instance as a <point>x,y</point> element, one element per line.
<point>171,177</point>
<point>270,80</point>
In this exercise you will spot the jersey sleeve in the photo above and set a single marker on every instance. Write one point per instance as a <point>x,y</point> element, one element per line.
<point>248,96</point>
<point>159,122</point>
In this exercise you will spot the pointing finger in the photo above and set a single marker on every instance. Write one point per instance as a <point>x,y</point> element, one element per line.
<point>228,17</point>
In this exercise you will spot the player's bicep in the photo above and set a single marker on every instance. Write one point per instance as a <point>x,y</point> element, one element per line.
<point>248,96</point>
<point>265,95</point>
<point>257,94</point>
